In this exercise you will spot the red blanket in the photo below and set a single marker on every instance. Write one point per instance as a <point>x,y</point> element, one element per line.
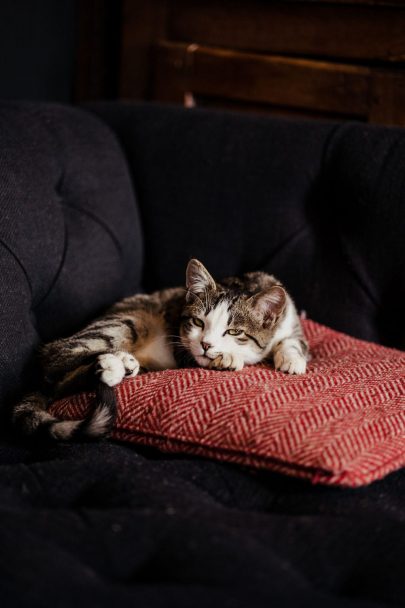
<point>342,423</point>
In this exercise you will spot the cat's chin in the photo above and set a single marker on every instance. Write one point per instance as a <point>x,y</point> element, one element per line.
<point>201,360</point>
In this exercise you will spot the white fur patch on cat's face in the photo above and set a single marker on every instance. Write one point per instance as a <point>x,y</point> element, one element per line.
<point>214,333</point>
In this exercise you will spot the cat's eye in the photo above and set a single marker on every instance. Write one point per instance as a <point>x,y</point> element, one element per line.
<point>198,322</point>
<point>234,332</point>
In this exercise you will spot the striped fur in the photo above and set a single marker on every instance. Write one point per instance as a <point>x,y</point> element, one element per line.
<point>222,326</point>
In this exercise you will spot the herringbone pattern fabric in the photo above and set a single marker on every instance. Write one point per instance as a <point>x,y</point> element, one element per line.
<point>342,423</point>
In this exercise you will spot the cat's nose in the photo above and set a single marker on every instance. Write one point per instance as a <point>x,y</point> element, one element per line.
<point>205,346</point>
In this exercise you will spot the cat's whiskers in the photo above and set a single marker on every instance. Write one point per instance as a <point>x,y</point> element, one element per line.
<point>175,343</point>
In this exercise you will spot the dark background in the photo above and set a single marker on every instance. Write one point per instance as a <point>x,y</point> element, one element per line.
<point>59,50</point>
<point>37,49</point>
<point>324,59</point>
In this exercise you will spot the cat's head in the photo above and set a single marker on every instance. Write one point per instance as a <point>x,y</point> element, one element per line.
<point>236,317</point>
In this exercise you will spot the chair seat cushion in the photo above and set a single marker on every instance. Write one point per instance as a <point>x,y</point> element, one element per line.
<point>341,423</point>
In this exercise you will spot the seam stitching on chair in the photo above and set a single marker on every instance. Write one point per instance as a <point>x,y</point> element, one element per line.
<point>328,142</point>
<point>58,271</point>
<point>99,221</point>
<point>20,264</point>
<point>284,243</point>
<point>384,162</point>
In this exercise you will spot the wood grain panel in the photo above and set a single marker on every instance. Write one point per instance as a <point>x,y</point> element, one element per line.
<point>317,29</point>
<point>325,58</point>
<point>275,80</point>
<point>143,23</point>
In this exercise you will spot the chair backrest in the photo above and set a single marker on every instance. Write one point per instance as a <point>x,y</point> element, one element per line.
<point>320,205</point>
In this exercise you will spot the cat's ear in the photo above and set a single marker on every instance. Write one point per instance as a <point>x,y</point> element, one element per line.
<point>198,279</point>
<point>269,304</point>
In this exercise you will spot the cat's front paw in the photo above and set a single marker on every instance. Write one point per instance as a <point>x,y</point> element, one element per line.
<point>131,364</point>
<point>226,362</point>
<point>290,362</point>
<point>113,367</point>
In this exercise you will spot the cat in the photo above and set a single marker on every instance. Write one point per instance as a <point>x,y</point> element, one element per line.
<point>215,325</point>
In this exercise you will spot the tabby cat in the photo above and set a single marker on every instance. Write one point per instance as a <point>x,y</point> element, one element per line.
<point>216,325</point>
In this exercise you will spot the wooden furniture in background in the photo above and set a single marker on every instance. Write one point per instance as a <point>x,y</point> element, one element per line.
<point>339,59</point>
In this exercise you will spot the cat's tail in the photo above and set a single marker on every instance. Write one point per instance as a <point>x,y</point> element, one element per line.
<point>31,418</point>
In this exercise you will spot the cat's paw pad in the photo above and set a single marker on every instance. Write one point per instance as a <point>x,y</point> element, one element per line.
<point>226,362</point>
<point>111,369</point>
<point>291,363</point>
<point>130,362</point>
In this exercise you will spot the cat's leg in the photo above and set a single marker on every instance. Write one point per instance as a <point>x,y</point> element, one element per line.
<point>99,348</point>
<point>290,355</point>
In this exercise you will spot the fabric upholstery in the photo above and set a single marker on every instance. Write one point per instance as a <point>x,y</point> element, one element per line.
<point>319,205</point>
<point>341,423</point>
<point>70,240</point>
<point>102,524</point>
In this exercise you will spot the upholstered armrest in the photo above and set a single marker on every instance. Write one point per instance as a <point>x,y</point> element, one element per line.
<point>70,239</point>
